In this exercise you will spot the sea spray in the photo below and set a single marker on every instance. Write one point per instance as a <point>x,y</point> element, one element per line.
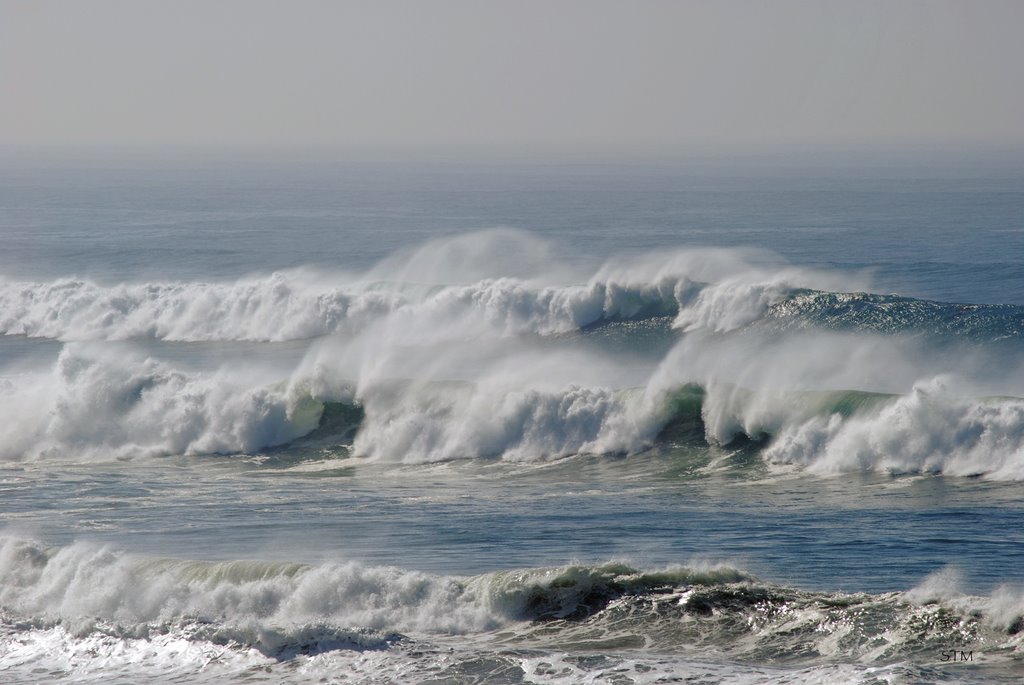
<point>102,403</point>
<point>440,360</point>
<point>77,595</point>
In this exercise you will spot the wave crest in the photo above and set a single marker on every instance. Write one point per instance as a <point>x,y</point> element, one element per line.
<point>86,595</point>
<point>112,403</point>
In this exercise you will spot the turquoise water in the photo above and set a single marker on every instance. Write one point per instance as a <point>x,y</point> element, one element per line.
<point>391,420</point>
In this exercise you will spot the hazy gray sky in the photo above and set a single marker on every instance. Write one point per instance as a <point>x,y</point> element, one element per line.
<point>432,72</point>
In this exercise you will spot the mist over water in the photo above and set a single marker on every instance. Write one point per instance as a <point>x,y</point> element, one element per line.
<point>326,435</point>
<point>444,364</point>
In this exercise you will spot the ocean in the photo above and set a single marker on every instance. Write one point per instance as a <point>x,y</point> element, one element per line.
<point>356,418</point>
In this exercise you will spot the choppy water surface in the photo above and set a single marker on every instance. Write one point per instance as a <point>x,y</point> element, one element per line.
<point>282,422</point>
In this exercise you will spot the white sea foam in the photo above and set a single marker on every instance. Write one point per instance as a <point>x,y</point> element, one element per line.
<point>278,307</point>
<point>929,430</point>
<point>442,354</point>
<point>484,421</point>
<point>83,584</point>
<point>504,279</point>
<point>102,402</point>
<point>291,306</point>
<point>53,655</point>
<point>784,389</point>
<point>87,586</point>
<point>1002,609</point>
<point>77,612</point>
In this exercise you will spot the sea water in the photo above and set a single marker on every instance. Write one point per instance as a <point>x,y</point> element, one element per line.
<point>337,418</point>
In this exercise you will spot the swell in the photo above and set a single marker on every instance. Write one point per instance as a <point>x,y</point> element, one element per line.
<point>283,610</point>
<point>891,314</point>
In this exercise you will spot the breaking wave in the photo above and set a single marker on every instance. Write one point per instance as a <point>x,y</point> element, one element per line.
<point>97,404</point>
<point>88,608</point>
<point>105,403</point>
<point>422,359</point>
<point>289,307</point>
<point>440,284</point>
<point>298,306</point>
